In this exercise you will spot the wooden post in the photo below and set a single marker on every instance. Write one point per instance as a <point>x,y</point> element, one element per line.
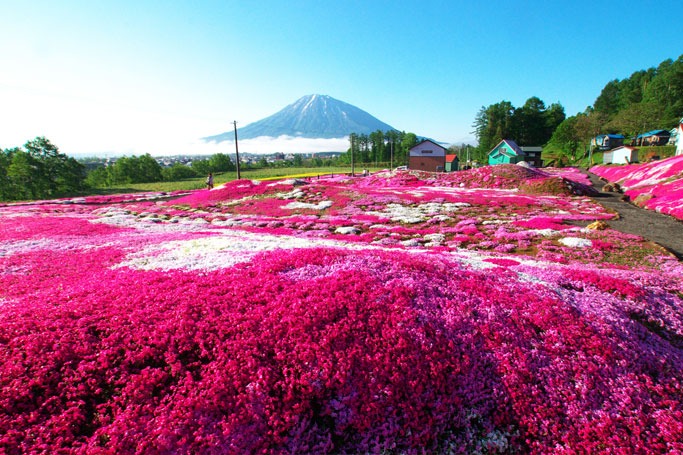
<point>237,153</point>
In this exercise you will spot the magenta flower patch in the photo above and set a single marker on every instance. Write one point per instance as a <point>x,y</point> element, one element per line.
<point>397,313</point>
<point>656,186</point>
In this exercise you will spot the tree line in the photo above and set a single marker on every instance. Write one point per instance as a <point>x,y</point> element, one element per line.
<point>38,171</point>
<point>146,169</point>
<point>379,147</point>
<point>647,100</point>
<point>529,125</point>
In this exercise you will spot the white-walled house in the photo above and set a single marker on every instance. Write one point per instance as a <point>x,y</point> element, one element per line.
<point>621,155</point>
<point>679,142</point>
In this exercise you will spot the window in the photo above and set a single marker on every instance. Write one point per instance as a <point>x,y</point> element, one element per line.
<point>427,151</point>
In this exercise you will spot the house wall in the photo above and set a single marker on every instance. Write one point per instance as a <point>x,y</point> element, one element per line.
<point>620,156</point>
<point>500,158</point>
<point>607,158</point>
<point>427,156</point>
<point>429,149</point>
<point>427,163</point>
<point>453,166</point>
<point>679,144</point>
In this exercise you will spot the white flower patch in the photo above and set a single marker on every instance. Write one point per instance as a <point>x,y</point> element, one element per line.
<point>576,242</point>
<point>220,251</point>
<point>412,215</point>
<point>410,242</point>
<point>9,248</point>
<point>304,205</point>
<point>544,232</point>
<point>434,239</point>
<point>296,193</point>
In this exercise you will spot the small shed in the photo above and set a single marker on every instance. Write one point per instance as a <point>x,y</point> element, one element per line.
<point>621,155</point>
<point>452,163</point>
<point>427,156</point>
<point>506,152</point>
<point>654,137</point>
<point>607,141</point>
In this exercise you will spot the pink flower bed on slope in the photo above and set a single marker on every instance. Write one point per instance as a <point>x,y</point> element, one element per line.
<point>661,181</point>
<point>339,344</point>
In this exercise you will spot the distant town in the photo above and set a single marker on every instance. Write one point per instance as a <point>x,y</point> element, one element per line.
<point>246,158</point>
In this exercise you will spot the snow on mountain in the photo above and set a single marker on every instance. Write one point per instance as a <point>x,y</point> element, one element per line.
<point>311,116</point>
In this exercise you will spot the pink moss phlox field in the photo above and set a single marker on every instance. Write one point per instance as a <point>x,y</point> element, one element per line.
<point>656,186</point>
<point>385,314</point>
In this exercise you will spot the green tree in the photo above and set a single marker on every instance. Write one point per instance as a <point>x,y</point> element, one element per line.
<point>298,160</point>
<point>638,118</point>
<point>98,177</point>
<point>608,100</point>
<point>24,176</point>
<point>529,123</point>
<point>59,174</point>
<point>146,169</point>
<point>5,161</point>
<point>408,141</point>
<point>492,124</point>
<point>201,167</point>
<point>263,162</point>
<point>220,162</point>
<point>377,147</point>
<point>563,145</point>
<point>178,172</point>
<point>631,100</point>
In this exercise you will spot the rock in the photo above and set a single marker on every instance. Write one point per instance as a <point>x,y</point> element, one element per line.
<point>598,225</point>
<point>347,230</point>
<point>641,199</point>
<point>575,242</point>
<point>611,188</point>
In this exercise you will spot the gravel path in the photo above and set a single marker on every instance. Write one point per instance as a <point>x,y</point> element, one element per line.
<point>661,229</point>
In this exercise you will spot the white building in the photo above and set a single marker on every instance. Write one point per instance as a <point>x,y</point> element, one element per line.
<point>621,155</point>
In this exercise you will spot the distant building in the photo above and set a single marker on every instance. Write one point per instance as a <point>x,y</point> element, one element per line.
<point>532,155</point>
<point>621,155</point>
<point>654,137</point>
<point>607,141</point>
<point>452,163</point>
<point>427,156</point>
<point>506,152</point>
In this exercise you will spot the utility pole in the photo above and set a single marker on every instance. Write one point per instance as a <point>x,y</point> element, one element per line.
<point>237,152</point>
<point>353,163</point>
<point>391,164</point>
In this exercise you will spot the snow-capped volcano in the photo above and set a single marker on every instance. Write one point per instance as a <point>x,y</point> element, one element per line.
<point>312,116</point>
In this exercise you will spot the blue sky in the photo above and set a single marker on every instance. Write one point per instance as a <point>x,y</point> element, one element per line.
<point>131,77</point>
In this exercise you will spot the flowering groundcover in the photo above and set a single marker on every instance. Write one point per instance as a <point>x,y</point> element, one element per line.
<point>398,313</point>
<point>655,186</point>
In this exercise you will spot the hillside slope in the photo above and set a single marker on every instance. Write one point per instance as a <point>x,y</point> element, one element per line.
<point>655,186</point>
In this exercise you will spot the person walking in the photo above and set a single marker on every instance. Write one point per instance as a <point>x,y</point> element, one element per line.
<point>209,181</point>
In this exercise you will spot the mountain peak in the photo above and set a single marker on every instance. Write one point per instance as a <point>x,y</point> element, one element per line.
<point>311,116</point>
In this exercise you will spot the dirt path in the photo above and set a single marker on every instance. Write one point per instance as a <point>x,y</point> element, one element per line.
<point>661,229</point>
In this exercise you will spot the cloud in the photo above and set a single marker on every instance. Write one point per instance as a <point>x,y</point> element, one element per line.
<point>285,144</point>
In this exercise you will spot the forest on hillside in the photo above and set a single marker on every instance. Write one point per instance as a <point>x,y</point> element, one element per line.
<point>647,100</point>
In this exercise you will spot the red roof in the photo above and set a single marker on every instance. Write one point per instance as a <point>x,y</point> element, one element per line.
<point>450,158</point>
